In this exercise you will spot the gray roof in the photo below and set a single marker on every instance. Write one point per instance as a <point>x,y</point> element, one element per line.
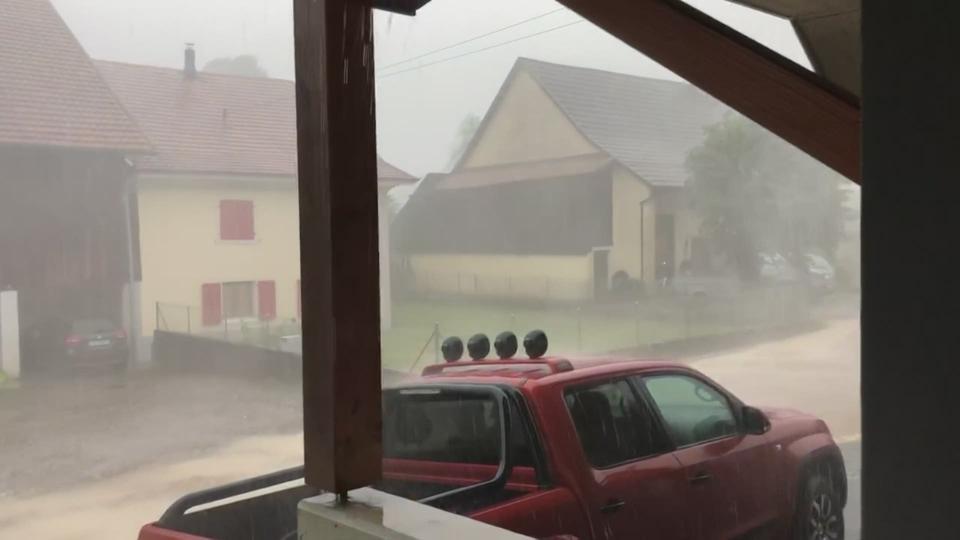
<point>649,125</point>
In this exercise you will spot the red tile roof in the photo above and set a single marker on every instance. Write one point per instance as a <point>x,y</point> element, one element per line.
<point>50,92</point>
<point>214,123</point>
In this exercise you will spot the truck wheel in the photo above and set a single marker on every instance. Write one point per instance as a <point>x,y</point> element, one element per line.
<point>819,514</point>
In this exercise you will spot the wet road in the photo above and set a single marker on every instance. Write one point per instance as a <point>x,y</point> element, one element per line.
<point>63,431</point>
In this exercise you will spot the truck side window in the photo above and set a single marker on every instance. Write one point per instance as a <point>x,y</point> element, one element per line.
<point>612,425</point>
<point>694,411</point>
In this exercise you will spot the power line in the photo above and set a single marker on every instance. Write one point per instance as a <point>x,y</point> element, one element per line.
<point>494,46</point>
<point>474,38</point>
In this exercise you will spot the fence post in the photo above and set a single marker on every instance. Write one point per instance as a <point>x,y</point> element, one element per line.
<point>156,317</point>
<point>436,342</point>
<point>188,321</point>
<point>579,330</point>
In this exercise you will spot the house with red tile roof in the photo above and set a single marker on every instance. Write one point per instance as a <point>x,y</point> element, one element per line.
<point>574,185</point>
<point>217,197</point>
<point>66,142</point>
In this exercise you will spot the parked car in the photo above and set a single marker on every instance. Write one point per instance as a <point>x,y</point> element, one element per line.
<point>776,269</point>
<point>820,275</point>
<point>56,344</point>
<point>597,449</point>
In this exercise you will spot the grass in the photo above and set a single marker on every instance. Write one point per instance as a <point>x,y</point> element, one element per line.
<point>6,382</point>
<point>571,332</point>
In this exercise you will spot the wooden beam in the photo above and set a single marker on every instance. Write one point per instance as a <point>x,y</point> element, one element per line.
<point>336,144</point>
<point>792,102</point>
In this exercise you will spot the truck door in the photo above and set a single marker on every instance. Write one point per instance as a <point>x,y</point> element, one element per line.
<point>701,423</point>
<point>634,487</point>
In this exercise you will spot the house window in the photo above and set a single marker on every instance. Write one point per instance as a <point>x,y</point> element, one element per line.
<point>236,220</point>
<point>239,300</point>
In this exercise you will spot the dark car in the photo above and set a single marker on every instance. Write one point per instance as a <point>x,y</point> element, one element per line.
<point>56,344</point>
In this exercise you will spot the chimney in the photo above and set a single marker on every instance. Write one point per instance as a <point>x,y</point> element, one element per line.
<point>189,62</point>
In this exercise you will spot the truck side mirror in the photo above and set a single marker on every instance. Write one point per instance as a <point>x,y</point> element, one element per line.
<point>755,422</point>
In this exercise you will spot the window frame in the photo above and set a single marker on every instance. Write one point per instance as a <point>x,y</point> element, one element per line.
<point>228,213</point>
<point>666,441</point>
<point>736,406</point>
<point>255,300</point>
<point>505,469</point>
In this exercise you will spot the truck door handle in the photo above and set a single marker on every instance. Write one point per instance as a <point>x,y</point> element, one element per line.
<point>700,478</point>
<point>612,506</point>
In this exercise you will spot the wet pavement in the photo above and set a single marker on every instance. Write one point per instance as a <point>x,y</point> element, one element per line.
<point>61,431</point>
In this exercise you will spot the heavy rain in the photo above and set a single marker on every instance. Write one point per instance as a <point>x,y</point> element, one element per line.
<point>599,285</point>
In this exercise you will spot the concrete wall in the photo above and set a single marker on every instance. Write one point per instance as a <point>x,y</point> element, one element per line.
<point>196,355</point>
<point>535,277</point>
<point>526,126</point>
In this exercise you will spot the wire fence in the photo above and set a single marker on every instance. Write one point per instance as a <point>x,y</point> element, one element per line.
<point>592,328</point>
<point>186,319</point>
<point>419,326</point>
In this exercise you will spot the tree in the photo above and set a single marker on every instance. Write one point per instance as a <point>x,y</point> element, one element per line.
<point>465,132</point>
<point>755,192</point>
<point>246,64</point>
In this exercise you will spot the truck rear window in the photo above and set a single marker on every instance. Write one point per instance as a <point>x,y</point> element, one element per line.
<point>442,425</point>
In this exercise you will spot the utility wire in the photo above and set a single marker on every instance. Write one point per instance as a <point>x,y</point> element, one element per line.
<point>481,36</point>
<point>494,46</point>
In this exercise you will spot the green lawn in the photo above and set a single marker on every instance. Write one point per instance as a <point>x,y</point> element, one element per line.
<point>600,329</point>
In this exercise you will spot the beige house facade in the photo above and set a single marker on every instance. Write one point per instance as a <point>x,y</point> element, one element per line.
<point>217,202</point>
<point>581,173</point>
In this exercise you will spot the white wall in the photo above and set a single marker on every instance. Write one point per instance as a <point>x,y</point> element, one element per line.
<point>9,334</point>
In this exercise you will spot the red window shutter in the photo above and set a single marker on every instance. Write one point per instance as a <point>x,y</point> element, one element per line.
<point>236,220</point>
<point>267,300</point>
<point>211,304</point>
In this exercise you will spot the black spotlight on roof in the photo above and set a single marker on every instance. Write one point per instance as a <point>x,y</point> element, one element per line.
<point>505,344</point>
<point>479,346</point>
<point>452,349</point>
<point>535,343</point>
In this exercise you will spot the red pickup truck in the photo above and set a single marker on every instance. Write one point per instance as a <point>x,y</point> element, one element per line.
<point>591,449</point>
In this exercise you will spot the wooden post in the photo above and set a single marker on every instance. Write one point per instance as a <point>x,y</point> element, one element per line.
<point>792,102</point>
<point>336,143</point>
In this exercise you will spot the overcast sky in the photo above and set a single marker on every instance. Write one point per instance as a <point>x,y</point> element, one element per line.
<point>419,110</point>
